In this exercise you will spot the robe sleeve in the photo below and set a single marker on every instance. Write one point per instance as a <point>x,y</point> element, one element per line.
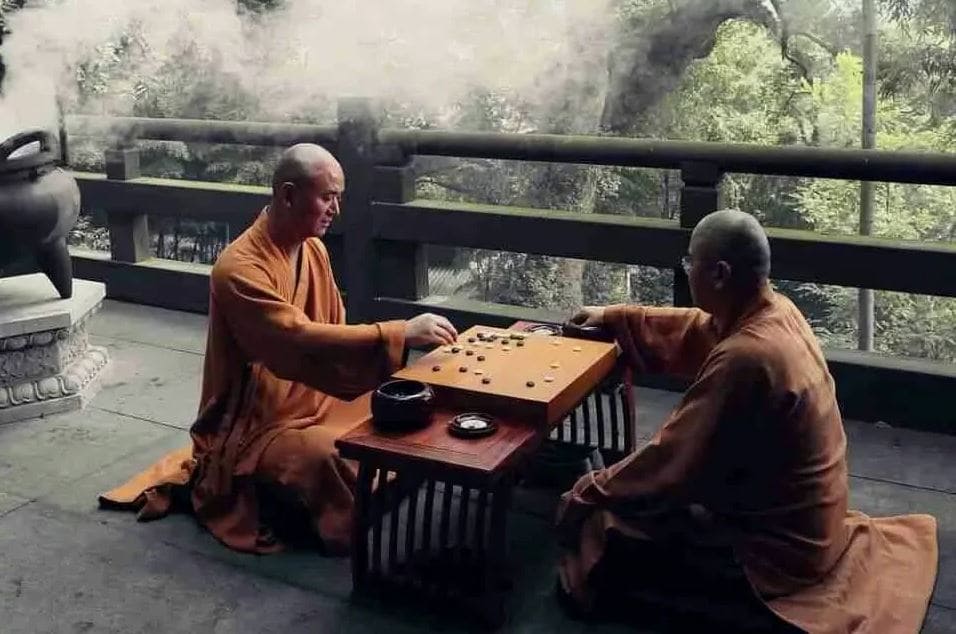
<point>662,340</point>
<point>338,359</point>
<point>672,468</point>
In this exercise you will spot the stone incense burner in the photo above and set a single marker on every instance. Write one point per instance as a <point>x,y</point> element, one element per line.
<point>39,204</point>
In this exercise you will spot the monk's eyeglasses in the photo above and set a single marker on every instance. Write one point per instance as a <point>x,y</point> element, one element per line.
<point>686,263</point>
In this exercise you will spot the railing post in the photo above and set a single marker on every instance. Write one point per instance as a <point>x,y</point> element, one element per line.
<point>700,195</point>
<point>402,267</point>
<point>358,132</point>
<point>129,232</point>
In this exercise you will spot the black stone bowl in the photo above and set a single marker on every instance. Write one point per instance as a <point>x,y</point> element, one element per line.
<point>402,405</point>
<point>593,333</point>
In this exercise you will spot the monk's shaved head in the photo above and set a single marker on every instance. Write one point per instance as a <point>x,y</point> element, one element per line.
<point>307,188</point>
<point>302,163</point>
<point>736,238</point>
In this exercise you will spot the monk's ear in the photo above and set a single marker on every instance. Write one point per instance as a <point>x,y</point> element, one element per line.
<point>287,193</point>
<point>722,271</point>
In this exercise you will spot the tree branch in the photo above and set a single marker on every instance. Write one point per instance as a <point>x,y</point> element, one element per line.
<point>804,70</point>
<point>818,41</point>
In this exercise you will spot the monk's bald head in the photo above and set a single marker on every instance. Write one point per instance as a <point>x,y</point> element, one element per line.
<point>736,238</point>
<point>307,188</point>
<point>303,163</point>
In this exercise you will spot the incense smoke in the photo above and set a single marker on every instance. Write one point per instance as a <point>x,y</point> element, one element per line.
<point>296,60</point>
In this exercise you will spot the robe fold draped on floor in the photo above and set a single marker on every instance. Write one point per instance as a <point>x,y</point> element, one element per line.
<point>758,442</point>
<point>282,379</point>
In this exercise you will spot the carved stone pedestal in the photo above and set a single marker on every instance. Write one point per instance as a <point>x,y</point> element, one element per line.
<point>46,363</point>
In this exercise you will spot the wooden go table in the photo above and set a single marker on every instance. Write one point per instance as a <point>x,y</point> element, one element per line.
<point>430,508</point>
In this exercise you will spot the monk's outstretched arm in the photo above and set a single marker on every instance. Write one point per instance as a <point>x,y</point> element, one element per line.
<point>672,467</point>
<point>338,359</point>
<point>662,340</point>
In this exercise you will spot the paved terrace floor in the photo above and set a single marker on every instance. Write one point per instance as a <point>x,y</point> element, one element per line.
<point>68,567</point>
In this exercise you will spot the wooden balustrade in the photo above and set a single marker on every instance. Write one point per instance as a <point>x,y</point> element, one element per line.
<point>379,251</point>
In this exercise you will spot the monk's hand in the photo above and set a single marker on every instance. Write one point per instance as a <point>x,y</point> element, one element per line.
<point>429,329</point>
<point>588,316</point>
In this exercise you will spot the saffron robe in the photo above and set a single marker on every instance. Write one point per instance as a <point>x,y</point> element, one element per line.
<point>758,441</point>
<point>282,378</point>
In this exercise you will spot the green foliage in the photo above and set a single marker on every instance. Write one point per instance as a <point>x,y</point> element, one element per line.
<point>906,324</point>
<point>737,94</point>
<point>919,57</point>
<point>744,92</point>
<point>799,86</point>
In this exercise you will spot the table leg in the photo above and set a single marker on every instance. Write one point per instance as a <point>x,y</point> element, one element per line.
<point>586,405</point>
<point>411,532</point>
<point>601,419</point>
<point>473,568</point>
<point>464,502</point>
<point>360,524</point>
<point>629,412</point>
<point>377,517</point>
<point>496,575</point>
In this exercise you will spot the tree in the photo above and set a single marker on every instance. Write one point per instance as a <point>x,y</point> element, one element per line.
<point>656,44</point>
<point>913,212</point>
<point>780,72</point>
<point>6,8</point>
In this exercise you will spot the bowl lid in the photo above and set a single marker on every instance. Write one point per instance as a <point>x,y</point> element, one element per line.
<point>472,425</point>
<point>30,161</point>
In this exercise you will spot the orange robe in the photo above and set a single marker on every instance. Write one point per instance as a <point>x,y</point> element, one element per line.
<point>280,383</point>
<point>758,441</point>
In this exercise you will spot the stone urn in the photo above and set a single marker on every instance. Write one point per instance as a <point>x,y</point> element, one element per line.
<point>39,204</point>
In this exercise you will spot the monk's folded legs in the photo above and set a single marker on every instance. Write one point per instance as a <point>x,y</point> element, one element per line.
<point>306,466</point>
<point>618,563</point>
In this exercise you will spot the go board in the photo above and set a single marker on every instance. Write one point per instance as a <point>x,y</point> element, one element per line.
<point>536,377</point>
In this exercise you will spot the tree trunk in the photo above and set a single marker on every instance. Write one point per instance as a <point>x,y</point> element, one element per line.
<point>610,91</point>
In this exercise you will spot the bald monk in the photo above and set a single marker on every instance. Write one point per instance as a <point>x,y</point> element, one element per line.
<point>742,494</point>
<point>281,377</point>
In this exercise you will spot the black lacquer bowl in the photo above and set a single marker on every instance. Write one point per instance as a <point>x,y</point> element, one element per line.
<point>593,333</point>
<point>402,405</point>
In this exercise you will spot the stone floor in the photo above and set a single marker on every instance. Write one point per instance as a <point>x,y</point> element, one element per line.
<point>69,567</point>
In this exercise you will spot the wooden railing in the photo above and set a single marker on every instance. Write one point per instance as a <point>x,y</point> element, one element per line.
<point>377,248</point>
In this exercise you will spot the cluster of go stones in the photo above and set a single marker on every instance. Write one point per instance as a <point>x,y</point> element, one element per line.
<point>487,340</point>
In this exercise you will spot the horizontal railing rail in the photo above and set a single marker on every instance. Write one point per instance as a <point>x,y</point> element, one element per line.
<point>128,129</point>
<point>846,164</point>
<point>925,168</point>
<point>804,256</point>
<point>379,247</point>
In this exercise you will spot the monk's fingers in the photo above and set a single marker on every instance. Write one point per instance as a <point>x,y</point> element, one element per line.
<point>580,318</point>
<point>441,335</point>
<point>448,335</point>
<point>446,326</point>
<point>434,333</point>
<point>439,329</point>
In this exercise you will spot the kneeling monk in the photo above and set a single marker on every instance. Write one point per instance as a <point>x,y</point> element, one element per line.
<point>282,375</point>
<point>744,489</point>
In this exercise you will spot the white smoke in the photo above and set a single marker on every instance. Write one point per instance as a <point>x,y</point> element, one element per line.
<point>427,52</point>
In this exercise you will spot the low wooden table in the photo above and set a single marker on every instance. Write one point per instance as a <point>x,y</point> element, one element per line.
<point>605,420</point>
<point>430,508</point>
<point>401,545</point>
